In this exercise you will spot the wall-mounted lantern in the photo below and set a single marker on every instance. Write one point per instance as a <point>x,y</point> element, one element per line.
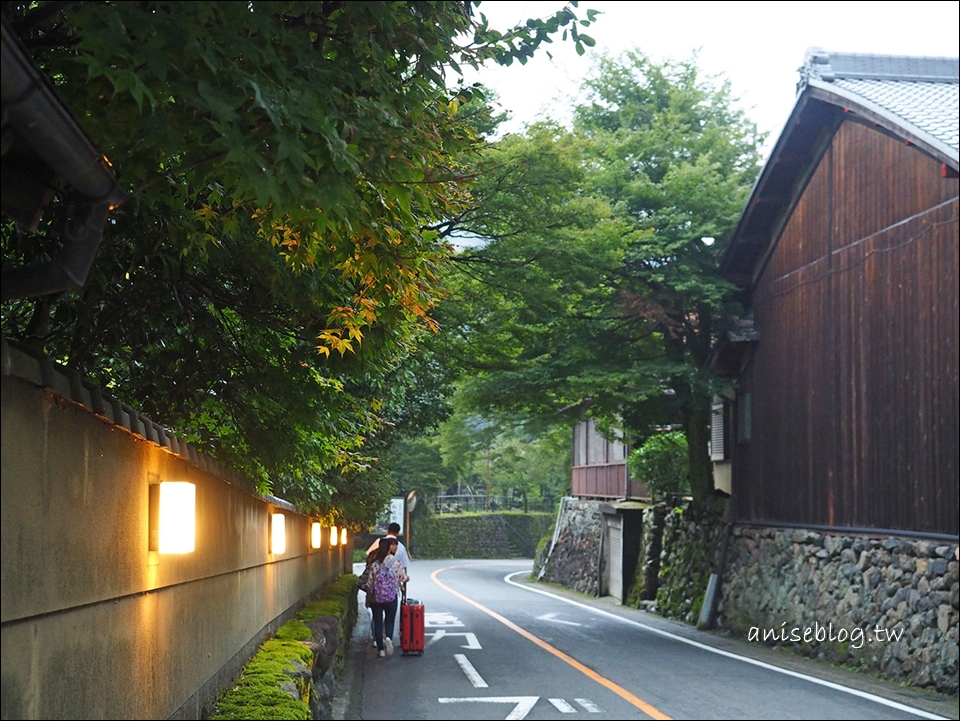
<point>278,533</point>
<point>173,517</point>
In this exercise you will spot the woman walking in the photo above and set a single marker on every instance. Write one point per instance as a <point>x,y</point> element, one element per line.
<point>387,574</point>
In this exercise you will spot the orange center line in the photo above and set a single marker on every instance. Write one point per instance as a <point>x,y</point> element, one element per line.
<point>648,709</point>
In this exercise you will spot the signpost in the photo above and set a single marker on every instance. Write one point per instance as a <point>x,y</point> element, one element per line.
<point>397,510</point>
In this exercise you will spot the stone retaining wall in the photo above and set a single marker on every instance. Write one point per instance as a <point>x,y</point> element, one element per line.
<point>892,602</point>
<point>690,547</point>
<point>574,560</point>
<point>299,672</point>
<point>847,590</point>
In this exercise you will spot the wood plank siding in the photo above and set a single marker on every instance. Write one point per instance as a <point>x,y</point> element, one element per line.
<point>600,466</point>
<point>606,482</point>
<point>854,383</point>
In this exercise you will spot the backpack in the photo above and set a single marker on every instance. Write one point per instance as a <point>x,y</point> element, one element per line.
<point>384,587</point>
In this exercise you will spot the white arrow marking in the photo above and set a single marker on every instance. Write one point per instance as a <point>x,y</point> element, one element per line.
<point>550,617</point>
<point>440,620</point>
<point>523,704</point>
<point>475,678</point>
<point>561,705</point>
<point>589,705</point>
<point>472,642</point>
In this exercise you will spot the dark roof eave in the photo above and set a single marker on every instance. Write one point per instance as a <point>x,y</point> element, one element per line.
<point>34,113</point>
<point>32,108</point>
<point>792,163</point>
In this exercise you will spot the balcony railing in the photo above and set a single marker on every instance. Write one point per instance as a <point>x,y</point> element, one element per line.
<point>608,480</point>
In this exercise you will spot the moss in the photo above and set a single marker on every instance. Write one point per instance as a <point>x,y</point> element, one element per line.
<point>635,595</point>
<point>259,692</point>
<point>687,559</point>
<point>540,556</point>
<point>261,701</point>
<point>276,682</point>
<point>294,631</point>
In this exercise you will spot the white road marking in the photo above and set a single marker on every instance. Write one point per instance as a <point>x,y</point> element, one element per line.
<point>523,704</point>
<point>589,705</point>
<point>472,642</point>
<point>561,705</point>
<point>550,617</point>
<point>441,620</point>
<point>475,678</point>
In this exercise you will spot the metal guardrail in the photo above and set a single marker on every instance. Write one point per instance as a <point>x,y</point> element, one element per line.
<point>467,503</point>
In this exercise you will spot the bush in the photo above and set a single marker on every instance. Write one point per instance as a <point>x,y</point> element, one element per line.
<point>662,464</point>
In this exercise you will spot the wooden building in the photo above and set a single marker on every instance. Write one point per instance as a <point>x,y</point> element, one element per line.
<point>843,413</point>
<point>600,466</point>
<point>600,475</point>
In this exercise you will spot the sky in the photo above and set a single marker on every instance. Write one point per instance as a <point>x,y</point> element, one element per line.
<point>757,46</point>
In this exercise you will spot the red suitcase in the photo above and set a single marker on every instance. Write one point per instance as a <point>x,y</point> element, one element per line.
<point>411,627</point>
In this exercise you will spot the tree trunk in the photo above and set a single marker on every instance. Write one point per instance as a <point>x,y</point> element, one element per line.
<point>696,422</point>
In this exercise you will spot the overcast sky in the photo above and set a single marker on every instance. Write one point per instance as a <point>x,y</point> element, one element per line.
<point>758,46</point>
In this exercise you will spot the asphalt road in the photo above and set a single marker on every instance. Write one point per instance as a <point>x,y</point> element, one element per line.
<point>501,647</point>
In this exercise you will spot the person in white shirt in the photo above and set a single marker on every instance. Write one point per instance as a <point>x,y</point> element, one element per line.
<point>393,531</point>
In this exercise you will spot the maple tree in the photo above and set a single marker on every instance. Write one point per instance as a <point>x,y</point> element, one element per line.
<point>288,164</point>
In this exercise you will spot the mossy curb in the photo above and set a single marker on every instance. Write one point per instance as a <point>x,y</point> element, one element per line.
<point>280,681</point>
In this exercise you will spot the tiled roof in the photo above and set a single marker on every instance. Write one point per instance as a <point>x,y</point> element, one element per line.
<point>922,94</point>
<point>912,99</point>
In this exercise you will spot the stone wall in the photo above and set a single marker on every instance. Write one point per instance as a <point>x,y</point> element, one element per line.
<point>690,547</point>
<point>885,604</point>
<point>574,561</point>
<point>506,534</point>
<point>888,605</point>
<point>651,545</point>
<point>299,673</point>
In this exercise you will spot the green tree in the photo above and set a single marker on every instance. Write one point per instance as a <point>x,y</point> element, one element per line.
<point>676,161</point>
<point>520,302</point>
<point>465,439</point>
<point>596,294</point>
<point>503,455</point>
<point>264,289</point>
<point>533,464</point>
<point>417,464</point>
